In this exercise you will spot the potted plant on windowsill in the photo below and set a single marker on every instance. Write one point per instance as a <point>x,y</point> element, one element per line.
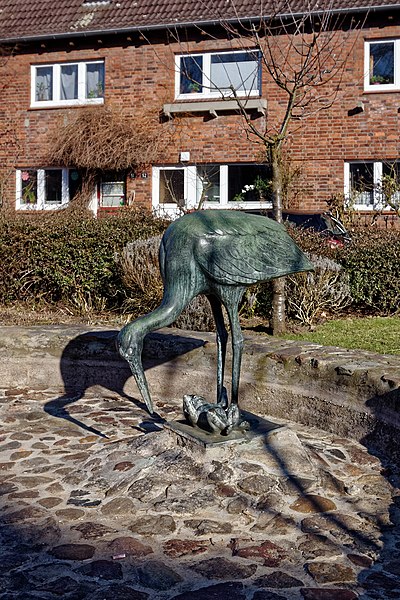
<point>378,80</point>
<point>194,87</point>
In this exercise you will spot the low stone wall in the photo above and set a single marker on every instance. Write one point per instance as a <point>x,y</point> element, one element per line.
<point>354,394</point>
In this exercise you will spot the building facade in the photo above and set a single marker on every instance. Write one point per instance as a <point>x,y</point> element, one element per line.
<point>202,88</point>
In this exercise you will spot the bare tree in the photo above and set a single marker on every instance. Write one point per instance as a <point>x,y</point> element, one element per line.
<point>303,56</point>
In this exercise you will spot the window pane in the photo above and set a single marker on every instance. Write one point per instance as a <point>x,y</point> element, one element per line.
<point>29,187</point>
<point>69,82</point>
<point>381,58</point>
<point>112,194</point>
<point>362,182</point>
<point>249,183</point>
<point>238,71</point>
<point>208,186</point>
<point>172,187</point>
<point>391,181</point>
<point>53,186</point>
<point>95,80</point>
<point>391,169</point>
<point>44,84</point>
<point>191,75</point>
<point>112,189</point>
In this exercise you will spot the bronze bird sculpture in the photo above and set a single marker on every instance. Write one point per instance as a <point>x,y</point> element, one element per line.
<point>218,253</point>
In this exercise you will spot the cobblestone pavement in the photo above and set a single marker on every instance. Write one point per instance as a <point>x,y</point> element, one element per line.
<point>107,505</point>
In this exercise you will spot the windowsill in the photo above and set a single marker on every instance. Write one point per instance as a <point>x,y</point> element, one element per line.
<point>370,208</point>
<point>193,96</point>
<point>236,204</point>
<point>73,104</point>
<point>36,208</point>
<point>213,107</point>
<point>377,89</point>
<point>233,205</point>
<point>111,208</point>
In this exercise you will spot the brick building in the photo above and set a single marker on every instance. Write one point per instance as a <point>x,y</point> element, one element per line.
<point>183,67</point>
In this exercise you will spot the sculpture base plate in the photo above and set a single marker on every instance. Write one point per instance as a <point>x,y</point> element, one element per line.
<point>258,427</point>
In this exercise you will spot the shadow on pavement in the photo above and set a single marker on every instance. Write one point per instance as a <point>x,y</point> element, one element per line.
<point>91,359</point>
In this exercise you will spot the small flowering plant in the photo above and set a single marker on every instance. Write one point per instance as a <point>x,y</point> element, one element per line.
<point>242,195</point>
<point>260,189</point>
<point>28,187</point>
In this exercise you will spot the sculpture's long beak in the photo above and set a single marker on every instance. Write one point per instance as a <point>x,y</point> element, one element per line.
<point>140,378</point>
<point>132,353</point>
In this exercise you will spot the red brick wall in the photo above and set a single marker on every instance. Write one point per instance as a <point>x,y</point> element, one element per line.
<point>139,77</point>
<point>323,143</point>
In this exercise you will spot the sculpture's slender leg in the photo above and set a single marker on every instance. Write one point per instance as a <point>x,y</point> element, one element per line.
<point>222,339</point>
<point>232,307</point>
<point>237,349</point>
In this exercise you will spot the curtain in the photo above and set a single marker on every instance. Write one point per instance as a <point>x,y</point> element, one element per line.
<point>237,70</point>
<point>44,84</point>
<point>69,82</point>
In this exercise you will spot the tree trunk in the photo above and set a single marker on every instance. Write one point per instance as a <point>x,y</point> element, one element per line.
<point>278,299</point>
<point>278,306</point>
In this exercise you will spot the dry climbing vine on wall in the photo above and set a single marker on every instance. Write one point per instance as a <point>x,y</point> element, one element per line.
<point>104,138</point>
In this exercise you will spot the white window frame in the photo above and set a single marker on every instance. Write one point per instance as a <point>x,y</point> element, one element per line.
<point>382,87</point>
<point>377,203</point>
<point>206,72</point>
<point>101,195</point>
<point>189,183</point>
<point>57,101</point>
<point>41,204</point>
<point>191,192</point>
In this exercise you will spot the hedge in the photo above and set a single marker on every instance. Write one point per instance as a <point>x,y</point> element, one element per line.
<point>71,259</point>
<point>68,258</point>
<point>372,262</point>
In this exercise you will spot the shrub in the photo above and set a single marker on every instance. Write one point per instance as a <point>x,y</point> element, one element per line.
<point>309,295</point>
<point>372,262</point>
<point>88,264</point>
<point>104,138</point>
<point>306,295</point>
<point>140,275</point>
<point>67,257</point>
<point>142,280</point>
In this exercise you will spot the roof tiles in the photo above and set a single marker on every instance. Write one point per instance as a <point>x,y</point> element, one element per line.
<point>24,19</point>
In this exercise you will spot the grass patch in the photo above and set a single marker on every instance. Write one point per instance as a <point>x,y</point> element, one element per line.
<point>377,334</point>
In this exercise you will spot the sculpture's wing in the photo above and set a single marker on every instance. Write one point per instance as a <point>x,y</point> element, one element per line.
<point>243,249</point>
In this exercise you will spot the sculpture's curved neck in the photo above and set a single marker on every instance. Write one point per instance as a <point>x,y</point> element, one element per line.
<point>163,315</point>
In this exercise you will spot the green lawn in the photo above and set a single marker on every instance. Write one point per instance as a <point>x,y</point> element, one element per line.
<point>378,334</point>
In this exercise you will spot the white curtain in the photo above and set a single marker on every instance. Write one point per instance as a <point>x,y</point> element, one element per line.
<point>69,82</point>
<point>239,71</point>
<point>44,84</point>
